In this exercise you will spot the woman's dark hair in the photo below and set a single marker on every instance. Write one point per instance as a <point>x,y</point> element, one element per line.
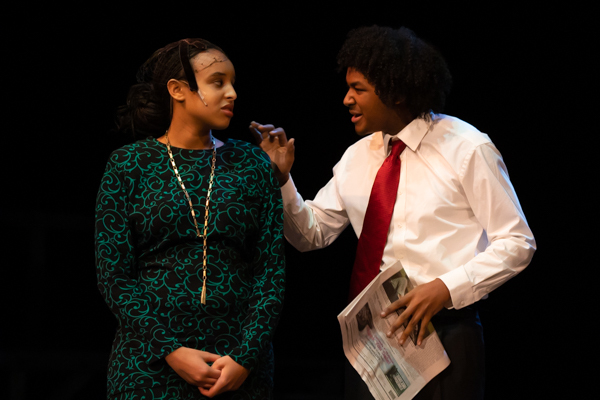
<point>400,66</point>
<point>148,108</point>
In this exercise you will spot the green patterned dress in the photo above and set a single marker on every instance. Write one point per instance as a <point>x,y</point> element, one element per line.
<point>149,265</point>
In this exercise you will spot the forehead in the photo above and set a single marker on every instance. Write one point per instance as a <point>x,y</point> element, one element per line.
<point>354,77</point>
<point>209,59</point>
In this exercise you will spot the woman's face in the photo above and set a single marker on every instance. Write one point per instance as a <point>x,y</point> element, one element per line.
<point>215,77</point>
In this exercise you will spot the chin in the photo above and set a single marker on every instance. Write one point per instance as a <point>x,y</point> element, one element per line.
<point>221,126</point>
<point>362,130</point>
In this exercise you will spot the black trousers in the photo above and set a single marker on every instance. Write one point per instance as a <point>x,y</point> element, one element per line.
<point>461,334</point>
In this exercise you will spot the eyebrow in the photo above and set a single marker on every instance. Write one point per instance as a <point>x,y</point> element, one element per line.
<point>219,73</point>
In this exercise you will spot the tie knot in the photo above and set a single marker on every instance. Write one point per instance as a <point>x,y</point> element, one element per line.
<point>397,147</point>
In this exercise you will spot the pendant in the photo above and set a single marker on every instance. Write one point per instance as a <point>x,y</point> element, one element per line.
<point>203,295</point>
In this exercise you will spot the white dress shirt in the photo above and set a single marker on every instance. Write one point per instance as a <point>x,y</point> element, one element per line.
<point>456,216</point>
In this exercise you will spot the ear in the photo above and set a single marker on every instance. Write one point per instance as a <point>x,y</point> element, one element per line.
<point>176,89</point>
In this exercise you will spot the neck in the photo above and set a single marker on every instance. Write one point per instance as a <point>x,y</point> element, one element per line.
<point>185,140</point>
<point>402,117</point>
<point>394,129</point>
<point>187,137</point>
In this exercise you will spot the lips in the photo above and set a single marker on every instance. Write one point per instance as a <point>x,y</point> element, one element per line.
<point>228,110</point>
<point>355,116</point>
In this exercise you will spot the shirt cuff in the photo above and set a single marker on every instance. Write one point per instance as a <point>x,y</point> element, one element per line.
<point>289,192</point>
<point>289,188</point>
<point>459,285</point>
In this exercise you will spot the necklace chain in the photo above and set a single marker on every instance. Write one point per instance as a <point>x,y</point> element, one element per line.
<point>204,233</point>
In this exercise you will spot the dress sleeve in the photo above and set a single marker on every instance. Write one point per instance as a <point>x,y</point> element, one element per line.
<point>511,244</point>
<point>268,279</point>
<point>116,269</point>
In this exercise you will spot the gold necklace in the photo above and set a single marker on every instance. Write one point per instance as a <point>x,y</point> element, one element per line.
<point>204,235</point>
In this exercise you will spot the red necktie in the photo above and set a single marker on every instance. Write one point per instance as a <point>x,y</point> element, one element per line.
<point>377,222</point>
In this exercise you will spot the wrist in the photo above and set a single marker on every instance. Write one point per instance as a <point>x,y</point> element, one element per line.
<point>283,178</point>
<point>172,354</point>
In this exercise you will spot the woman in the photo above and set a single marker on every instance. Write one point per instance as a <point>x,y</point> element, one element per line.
<point>189,248</point>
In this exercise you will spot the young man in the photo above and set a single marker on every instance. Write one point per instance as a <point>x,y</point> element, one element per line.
<point>454,220</point>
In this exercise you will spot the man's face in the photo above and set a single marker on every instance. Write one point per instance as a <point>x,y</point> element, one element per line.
<point>369,114</point>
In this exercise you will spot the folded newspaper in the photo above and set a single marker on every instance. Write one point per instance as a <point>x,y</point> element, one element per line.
<point>390,371</point>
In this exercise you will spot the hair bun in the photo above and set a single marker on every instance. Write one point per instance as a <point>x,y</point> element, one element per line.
<point>142,116</point>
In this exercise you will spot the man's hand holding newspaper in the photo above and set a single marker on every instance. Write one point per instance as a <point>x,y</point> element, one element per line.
<point>420,304</point>
<point>371,331</point>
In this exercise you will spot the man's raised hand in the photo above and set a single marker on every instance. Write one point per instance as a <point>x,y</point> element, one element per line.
<point>274,142</point>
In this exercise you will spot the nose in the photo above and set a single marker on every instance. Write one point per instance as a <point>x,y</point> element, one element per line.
<point>348,99</point>
<point>231,93</point>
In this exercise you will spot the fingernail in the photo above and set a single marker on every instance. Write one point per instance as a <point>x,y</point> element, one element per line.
<point>383,313</point>
<point>389,334</point>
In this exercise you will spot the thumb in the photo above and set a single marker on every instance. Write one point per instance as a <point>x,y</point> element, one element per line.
<point>210,357</point>
<point>290,146</point>
<point>218,364</point>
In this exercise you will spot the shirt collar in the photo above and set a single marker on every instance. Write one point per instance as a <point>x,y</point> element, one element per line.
<point>412,135</point>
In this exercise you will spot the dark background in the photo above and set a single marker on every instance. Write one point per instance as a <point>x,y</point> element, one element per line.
<point>519,75</point>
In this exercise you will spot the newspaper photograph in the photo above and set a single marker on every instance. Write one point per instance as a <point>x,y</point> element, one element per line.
<point>390,371</point>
